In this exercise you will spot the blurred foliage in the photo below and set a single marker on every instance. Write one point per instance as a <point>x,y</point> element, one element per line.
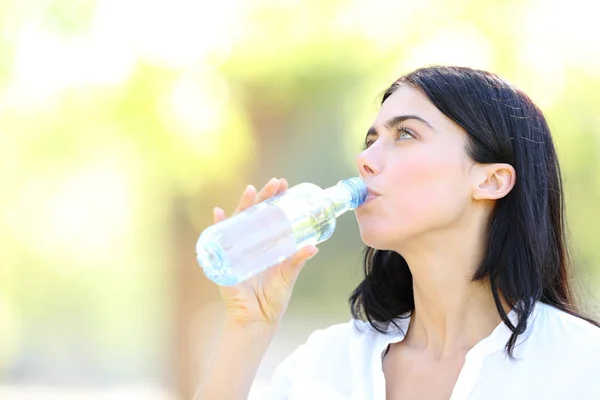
<point>112,113</point>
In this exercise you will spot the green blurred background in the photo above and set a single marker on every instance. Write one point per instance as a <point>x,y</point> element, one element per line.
<point>123,123</point>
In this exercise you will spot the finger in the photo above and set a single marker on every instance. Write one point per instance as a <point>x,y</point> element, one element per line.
<point>218,215</point>
<point>283,185</point>
<point>306,253</point>
<point>270,188</point>
<point>246,200</point>
<point>291,268</point>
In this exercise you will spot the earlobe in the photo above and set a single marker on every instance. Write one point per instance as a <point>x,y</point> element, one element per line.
<point>497,180</point>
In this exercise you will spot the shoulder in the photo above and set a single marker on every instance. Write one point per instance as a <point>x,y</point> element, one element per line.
<point>338,350</point>
<point>324,360</point>
<point>565,326</point>
<point>326,349</point>
<point>566,336</point>
<point>340,336</point>
<point>567,346</point>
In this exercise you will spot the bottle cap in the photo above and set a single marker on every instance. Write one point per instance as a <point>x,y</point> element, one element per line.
<point>358,189</point>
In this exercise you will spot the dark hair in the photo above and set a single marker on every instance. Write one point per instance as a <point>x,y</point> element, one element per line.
<point>526,259</point>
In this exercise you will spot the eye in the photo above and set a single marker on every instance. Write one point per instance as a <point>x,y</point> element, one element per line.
<point>403,133</point>
<point>367,144</point>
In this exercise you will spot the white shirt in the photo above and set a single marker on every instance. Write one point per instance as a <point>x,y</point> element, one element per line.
<point>558,357</point>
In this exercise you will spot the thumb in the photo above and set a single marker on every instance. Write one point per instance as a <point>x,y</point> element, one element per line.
<point>290,269</point>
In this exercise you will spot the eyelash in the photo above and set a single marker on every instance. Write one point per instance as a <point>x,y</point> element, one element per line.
<point>399,131</point>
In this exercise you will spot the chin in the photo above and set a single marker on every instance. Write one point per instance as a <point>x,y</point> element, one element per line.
<point>375,238</point>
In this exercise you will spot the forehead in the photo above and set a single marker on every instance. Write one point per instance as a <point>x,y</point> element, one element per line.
<point>409,100</point>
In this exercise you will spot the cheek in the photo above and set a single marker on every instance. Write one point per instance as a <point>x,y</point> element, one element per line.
<point>423,192</point>
<point>428,188</point>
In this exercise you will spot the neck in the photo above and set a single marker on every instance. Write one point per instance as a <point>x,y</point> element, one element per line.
<point>452,313</point>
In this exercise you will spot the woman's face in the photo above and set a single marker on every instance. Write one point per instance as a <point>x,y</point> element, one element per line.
<point>416,162</point>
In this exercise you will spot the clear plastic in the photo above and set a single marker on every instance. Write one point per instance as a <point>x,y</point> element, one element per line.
<point>269,232</point>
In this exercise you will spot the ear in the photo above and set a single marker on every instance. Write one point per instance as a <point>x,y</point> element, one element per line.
<point>494,181</point>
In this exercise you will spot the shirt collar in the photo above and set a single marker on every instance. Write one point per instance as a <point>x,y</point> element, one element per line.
<point>494,342</point>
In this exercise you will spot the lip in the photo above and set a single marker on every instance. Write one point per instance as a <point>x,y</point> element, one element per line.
<point>372,194</point>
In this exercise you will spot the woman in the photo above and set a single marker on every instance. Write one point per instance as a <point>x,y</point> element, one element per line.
<point>467,289</point>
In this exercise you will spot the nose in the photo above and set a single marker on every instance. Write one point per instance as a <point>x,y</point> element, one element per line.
<point>366,164</point>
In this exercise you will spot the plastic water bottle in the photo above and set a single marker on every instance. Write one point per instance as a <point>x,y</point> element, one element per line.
<point>261,236</point>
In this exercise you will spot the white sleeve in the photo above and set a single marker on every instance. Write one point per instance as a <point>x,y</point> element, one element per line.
<point>291,369</point>
<point>281,383</point>
<point>311,363</point>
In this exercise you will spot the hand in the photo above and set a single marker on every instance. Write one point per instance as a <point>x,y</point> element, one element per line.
<point>263,298</point>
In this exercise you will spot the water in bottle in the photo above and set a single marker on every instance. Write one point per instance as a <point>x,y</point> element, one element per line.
<point>261,236</point>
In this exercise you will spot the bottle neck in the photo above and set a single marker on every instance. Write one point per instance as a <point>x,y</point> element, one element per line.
<point>341,198</point>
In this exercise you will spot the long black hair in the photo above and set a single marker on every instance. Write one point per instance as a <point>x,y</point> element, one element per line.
<point>527,258</point>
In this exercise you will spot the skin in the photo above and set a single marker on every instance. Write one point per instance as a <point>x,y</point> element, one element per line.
<point>433,207</point>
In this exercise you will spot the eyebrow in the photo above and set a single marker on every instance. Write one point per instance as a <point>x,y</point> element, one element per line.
<point>395,121</point>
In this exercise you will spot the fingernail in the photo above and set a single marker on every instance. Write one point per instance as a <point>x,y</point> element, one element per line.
<point>269,182</point>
